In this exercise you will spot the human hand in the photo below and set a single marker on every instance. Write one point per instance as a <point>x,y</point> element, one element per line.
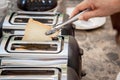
<point>98,8</point>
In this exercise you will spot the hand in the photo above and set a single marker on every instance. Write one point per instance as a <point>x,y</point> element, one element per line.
<point>98,8</point>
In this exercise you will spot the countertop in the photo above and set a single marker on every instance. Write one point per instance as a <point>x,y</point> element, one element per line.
<point>101,53</point>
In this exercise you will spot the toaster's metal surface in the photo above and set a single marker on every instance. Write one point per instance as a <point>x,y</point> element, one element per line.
<point>15,42</point>
<point>61,47</point>
<point>18,20</point>
<point>67,60</point>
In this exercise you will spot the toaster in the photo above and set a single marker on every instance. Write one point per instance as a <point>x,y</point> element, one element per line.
<point>59,59</point>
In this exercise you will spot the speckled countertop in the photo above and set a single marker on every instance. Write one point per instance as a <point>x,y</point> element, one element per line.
<point>101,54</point>
<point>101,59</point>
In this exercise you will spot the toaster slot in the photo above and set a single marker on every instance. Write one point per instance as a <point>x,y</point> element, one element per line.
<point>25,20</point>
<point>30,74</point>
<point>16,45</point>
<point>20,38</point>
<point>27,72</point>
<point>31,13</point>
<point>33,47</point>
<point>34,14</point>
<point>29,46</point>
<point>23,17</point>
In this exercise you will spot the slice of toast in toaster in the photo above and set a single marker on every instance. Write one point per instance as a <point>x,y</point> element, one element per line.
<point>35,32</point>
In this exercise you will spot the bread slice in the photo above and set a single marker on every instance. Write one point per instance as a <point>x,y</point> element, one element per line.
<point>35,31</point>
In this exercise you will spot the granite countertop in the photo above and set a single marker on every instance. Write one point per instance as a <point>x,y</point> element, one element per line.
<point>101,53</point>
<point>101,59</point>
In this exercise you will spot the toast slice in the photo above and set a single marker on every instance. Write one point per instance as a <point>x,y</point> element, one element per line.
<point>35,32</point>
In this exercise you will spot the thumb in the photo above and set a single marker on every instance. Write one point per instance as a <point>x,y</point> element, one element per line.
<point>89,14</point>
<point>82,6</point>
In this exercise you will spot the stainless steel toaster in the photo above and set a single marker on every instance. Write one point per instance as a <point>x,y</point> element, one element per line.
<point>59,59</point>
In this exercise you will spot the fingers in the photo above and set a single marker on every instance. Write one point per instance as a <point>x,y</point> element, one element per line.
<point>90,14</point>
<point>82,6</point>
